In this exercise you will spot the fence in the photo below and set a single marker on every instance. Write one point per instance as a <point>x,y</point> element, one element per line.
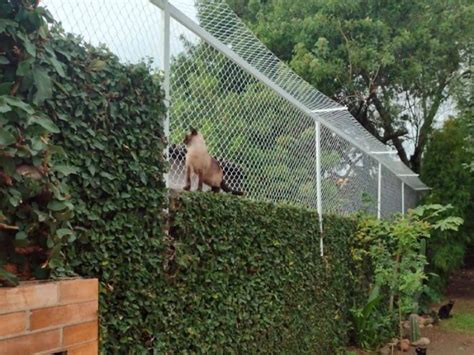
<point>275,135</point>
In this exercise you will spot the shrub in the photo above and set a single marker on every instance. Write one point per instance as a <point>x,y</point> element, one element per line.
<point>34,201</point>
<point>246,276</point>
<point>110,116</point>
<point>395,251</point>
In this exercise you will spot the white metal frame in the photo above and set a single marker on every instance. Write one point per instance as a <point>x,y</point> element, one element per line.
<point>165,58</point>
<point>403,197</point>
<point>318,184</point>
<point>379,192</point>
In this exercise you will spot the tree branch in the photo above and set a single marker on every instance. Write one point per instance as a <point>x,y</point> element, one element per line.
<point>427,127</point>
<point>389,131</point>
<point>388,137</point>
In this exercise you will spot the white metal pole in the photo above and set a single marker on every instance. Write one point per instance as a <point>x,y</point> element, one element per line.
<point>165,67</point>
<point>403,197</point>
<point>319,204</point>
<point>379,194</point>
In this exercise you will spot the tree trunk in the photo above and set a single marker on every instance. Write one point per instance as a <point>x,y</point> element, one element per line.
<point>390,133</point>
<point>426,129</point>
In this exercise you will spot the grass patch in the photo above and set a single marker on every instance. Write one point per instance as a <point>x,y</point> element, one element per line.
<point>463,322</point>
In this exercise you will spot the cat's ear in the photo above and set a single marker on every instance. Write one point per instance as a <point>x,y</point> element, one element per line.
<point>194,131</point>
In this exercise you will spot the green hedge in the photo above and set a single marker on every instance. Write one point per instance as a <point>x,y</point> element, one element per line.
<point>246,277</point>
<point>110,118</point>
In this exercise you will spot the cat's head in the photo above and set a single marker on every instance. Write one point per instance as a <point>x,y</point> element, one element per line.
<point>192,135</point>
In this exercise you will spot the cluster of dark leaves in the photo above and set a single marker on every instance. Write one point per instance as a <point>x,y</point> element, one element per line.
<point>35,206</point>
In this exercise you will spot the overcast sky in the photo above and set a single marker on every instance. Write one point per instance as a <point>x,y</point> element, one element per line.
<point>129,28</point>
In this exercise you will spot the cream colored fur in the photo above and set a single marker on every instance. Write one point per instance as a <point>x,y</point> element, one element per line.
<point>200,163</point>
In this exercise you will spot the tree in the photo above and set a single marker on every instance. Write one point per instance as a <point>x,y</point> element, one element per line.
<point>443,169</point>
<point>390,62</point>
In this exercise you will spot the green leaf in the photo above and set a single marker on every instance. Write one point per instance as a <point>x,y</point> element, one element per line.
<point>449,223</point>
<point>46,123</point>
<point>56,149</point>
<point>66,170</point>
<point>5,88</point>
<point>8,276</point>
<point>4,60</point>
<point>16,102</point>
<point>56,64</point>
<point>24,67</point>
<point>97,65</point>
<point>106,175</point>
<point>21,235</point>
<point>6,138</point>
<point>4,23</point>
<point>64,231</point>
<point>57,206</point>
<point>41,216</point>
<point>43,85</point>
<point>27,44</point>
<point>8,165</point>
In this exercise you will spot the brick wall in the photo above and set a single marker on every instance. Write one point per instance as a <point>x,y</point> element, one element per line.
<point>49,317</point>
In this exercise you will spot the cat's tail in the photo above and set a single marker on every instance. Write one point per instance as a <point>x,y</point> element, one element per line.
<point>229,190</point>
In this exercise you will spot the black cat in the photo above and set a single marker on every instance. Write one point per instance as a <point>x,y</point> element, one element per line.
<point>420,351</point>
<point>444,310</point>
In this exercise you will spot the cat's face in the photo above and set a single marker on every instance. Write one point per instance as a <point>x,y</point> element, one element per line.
<point>189,136</point>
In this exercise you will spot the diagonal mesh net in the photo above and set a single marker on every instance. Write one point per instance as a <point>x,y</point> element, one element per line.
<point>349,176</point>
<point>265,145</point>
<point>391,194</point>
<point>261,127</point>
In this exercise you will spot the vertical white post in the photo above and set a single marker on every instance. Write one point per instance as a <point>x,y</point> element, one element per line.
<point>165,67</point>
<point>379,192</point>
<point>319,205</point>
<point>403,197</point>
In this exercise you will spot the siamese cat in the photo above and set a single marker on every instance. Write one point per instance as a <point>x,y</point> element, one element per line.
<point>200,163</point>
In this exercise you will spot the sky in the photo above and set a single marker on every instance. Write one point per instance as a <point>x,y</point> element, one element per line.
<point>129,28</point>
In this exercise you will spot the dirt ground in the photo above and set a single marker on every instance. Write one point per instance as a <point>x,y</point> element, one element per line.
<point>445,341</point>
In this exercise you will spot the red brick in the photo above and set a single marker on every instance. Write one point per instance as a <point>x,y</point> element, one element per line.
<point>31,343</point>
<point>85,349</point>
<point>80,333</point>
<point>80,290</point>
<point>12,324</point>
<point>63,315</point>
<point>28,296</point>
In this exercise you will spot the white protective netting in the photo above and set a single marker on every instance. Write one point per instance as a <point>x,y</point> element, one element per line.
<point>257,115</point>
<point>391,194</point>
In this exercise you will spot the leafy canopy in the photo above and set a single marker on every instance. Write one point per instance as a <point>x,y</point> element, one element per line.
<point>390,62</point>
